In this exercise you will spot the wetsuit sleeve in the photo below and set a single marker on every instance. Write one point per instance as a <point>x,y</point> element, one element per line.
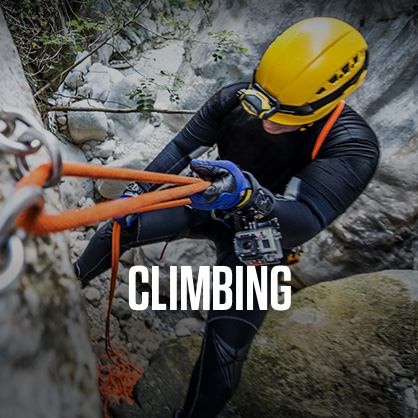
<point>325,188</point>
<point>198,135</point>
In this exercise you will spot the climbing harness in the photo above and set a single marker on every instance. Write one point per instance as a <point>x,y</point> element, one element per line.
<point>327,127</point>
<point>21,135</point>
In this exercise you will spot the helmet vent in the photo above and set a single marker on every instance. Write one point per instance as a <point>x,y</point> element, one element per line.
<point>333,79</point>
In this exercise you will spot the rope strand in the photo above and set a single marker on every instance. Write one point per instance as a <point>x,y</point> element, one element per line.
<point>116,376</point>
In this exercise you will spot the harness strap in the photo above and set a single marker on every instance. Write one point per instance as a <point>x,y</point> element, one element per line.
<point>327,127</point>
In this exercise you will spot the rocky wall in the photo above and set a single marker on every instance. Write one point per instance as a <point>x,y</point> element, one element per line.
<point>47,367</point>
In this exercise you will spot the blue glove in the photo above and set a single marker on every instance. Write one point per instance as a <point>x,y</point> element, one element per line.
<point>132,190</point>
<point>228,184</point>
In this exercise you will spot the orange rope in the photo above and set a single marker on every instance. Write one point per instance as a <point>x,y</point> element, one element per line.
<point>37,222</point>
<point>327,127</point>
<point>116,376</point>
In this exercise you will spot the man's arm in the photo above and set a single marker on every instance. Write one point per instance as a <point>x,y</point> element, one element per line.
<point>198,135</point>
<point>325,188</point>
<point>317,194</point>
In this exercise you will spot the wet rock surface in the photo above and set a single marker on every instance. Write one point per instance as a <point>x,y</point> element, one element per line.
<point>345,348</point>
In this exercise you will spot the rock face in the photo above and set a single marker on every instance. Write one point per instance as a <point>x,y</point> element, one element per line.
<point>344,349</point>
<point>47,367</point>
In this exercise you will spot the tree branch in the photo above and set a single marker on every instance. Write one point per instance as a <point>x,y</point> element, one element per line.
<point>111,110</point>
<point>66,71</point>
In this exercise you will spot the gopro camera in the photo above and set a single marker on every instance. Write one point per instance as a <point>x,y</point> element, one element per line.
<point>259,244</point>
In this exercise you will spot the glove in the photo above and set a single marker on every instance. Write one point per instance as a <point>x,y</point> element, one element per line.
<point>132,190</point>
<point>228,184</point>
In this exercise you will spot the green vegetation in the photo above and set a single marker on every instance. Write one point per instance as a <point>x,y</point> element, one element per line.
<point>49,34</point>
<point>225,40</point>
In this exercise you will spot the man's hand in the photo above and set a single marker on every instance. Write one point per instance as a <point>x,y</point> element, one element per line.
<point>229,185</point>
<point>132,190</point>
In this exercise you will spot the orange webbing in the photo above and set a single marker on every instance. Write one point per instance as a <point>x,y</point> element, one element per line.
<point>327,127</point>
<point>116,376</point>
<point>35,221</point>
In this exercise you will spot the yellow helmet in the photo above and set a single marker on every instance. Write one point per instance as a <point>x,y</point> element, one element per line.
<point>306,71</point>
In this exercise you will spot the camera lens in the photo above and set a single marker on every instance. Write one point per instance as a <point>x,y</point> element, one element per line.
<point>247,245</point>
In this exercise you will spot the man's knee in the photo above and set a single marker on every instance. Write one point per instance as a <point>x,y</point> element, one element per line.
<point>230,339</point>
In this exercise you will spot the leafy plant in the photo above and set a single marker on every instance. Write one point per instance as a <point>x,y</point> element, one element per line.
<point>144,93</point>
<point>45,42</point>
<point>144,96</point>
<point>225,40</point>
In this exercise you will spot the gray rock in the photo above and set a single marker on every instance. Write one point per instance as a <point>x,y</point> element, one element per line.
<point>62,120</point>
<point>74,79</point>
<point>78,247</point>
<point>72,189</point>
<point>101,80</point>
<point>110,127</point>
<point>47,367</point>
<point>112,189</point>
<point>85,126</point>
<point>183,332</point>
<point>121,309</point>
<point>105,150</point>
<point>93,296</point>
<point>126,125</point>
<point>344,348</point>
<point>190,324</point>
<point>122,291</point>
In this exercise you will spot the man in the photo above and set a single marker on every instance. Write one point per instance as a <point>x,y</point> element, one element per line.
<point>272,170</point>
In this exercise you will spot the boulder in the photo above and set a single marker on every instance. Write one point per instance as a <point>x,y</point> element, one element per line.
<point>101,79</point>
<point>85,126</point>
<point>112,189</point>
<point>72,189</point>
<point>126,125</point>
<point>345,349</point>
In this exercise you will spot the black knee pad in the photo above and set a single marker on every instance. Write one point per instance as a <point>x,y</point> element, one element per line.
<point>229,359</point>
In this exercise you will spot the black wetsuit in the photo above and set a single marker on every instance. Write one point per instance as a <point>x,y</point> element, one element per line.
<point>310,195</point>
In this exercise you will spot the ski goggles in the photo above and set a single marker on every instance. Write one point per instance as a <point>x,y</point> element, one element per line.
<point>260,103</point>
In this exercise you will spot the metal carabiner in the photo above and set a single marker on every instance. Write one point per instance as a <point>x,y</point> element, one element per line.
<point>48,140</point>
<point>29,142</point>
<point>9,141</point>
<point>12,245</point>
<point>15,264</point>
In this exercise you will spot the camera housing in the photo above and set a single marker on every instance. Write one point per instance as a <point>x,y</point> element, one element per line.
<point>259,244</point>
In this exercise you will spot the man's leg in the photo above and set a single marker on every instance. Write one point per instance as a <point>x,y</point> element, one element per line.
<point>227,339</point>
<point>148,228</point>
